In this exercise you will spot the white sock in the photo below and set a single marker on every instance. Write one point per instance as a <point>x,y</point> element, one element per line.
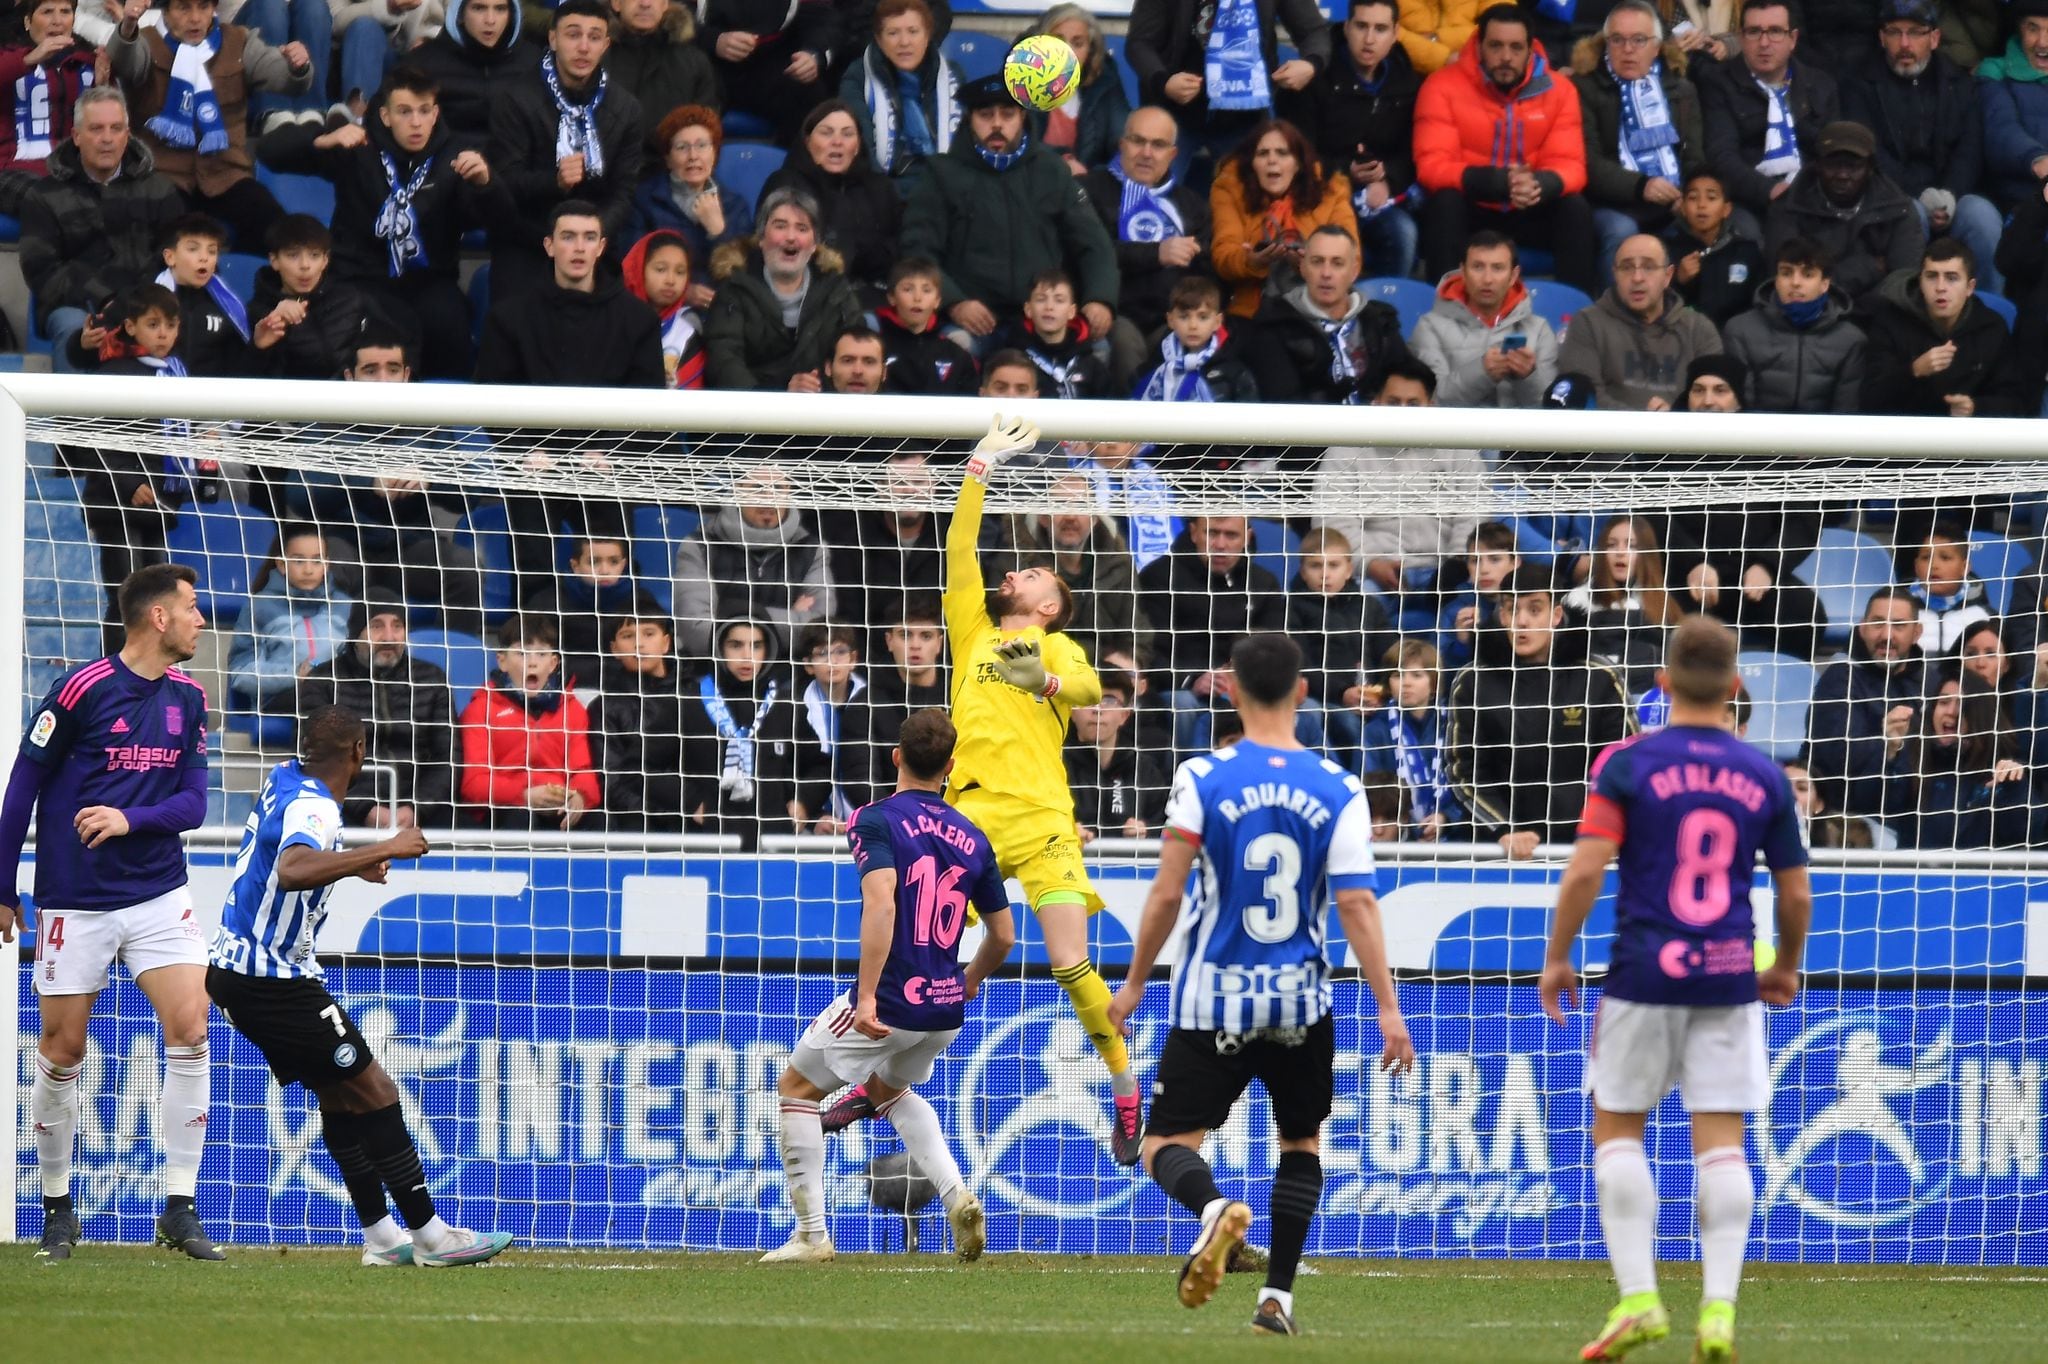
<point>918,1125</point>
<point>803,1165</point>
<point>1279,1295</point>
<point>181,1119</point>
<point>54,1109</point>
<point>433,1233</point>
<point>384,1235</point>
<point>1727,1195</point>
<point>1213,1209</point>
<point>1628,1213</point>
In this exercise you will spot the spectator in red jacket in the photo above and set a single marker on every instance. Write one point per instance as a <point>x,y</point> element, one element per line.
<point>1498,143</point>
<point>526,760</point>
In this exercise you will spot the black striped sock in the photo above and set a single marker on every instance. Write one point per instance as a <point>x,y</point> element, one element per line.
<point>365,1188</point>
<point>1297,1188</point>
<point>389,1147</point>
<point>1186,1178</point>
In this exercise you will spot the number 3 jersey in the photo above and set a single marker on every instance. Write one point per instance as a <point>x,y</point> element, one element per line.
<point>1691,807</point>
<point>1278,830</point>
<point>266,930</point>
<point>942,863</point>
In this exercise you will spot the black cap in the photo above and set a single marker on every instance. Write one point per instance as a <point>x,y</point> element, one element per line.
<point>366,609</point>
<point>1724,367</point>
<point>986,93</point>
<point>1924,12</point>
<point>1570,392</point>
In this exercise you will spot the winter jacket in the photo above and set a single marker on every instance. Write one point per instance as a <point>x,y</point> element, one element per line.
<point>1928,131</point>
<point>1818,369</point>
<point>209,343</point>
<point>785,28</point>
<point>1068,367</point>
<point>662,70</point>
<point>2023,260</point>
<point>1632,361</point>
<point>245,65</point>
<point>324,344</point>
<point>582,613</point>
<point>510,745</point>
<point>899,160</point>
<point>745,340</point>
<point>283,630</point>
<point>1900,331</point>
<point>1467,133</point>
<point>1343,635</point>
<point>1239,227</point>
<point>1609,182</point>
<point>1345,113</point>
<point>1146,284</point>
<point>1229,377</point>
<point>1453,340</point>
<point>1133,784</point>
<point>1107,613</point>
<point>859,213</point>
<point>870,731</point>
<point>1880,234</point>
<point>1731,266</point>
<point>2013,99</point>
<point>1736,111</point>
<point>923,362</point>
<point>729,811</point>
<point>1168,37</point>
<point>993,231</point>
<point>1415,539</point>
<point>83,242</point>
<point>405,713</point>
<point>1845,726</point>
<point>1200,613</point>
<point>825,771</point>
<point>638,746</point>
<point>1293,361</point>
<point>874,568</point>
<point>605,338</point>
<point>1942,627</point>
<point>524,123</point>
<point>1972,30</point>
<point>69,74</point>
<point>730,571</point>
<point>473,79</point>
<point>655,210</point>
<point>1100,122</point>
<point>1432,31</point>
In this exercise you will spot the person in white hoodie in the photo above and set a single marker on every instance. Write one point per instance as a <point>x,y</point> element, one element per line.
<point>1483,339</point>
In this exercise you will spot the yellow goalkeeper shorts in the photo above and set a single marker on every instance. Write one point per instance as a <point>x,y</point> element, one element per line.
<point>1036,845</point>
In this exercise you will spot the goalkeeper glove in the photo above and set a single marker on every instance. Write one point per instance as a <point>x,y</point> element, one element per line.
<point>1019,663</point>
<point>1004,439</point>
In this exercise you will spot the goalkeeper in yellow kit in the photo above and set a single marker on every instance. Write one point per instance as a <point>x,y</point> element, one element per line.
<point>1016,682</point>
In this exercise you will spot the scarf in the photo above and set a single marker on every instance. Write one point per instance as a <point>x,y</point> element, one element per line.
<point>1942,603</point>
<point>223,299</point>
<point>1146,214</point>
<point>576,127</point>
<point>1800,316</point>
<point>1421,762</point>
<point>398,227</point>
<point>1339,336</point>
<point>1002,161</point>
<point>1065,374</point>
<point>824,718</point>
<point>32,110</point>
<point>1233,64</point>
<point>179,470</point>
<point>1178,379</point>
<point>191,115</point>
<point>1781,134</point>
<point>884,98</point>
<point>1149,532</point>
<point>678,330</point>
<point>546,701</point>
<point>737,757</point>
<point>1649,139</point>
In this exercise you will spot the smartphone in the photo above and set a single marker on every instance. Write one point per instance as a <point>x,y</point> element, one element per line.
<point>1515,342</point>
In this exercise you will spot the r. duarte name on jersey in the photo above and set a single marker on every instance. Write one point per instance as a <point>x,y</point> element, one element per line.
<point>1275,795</point>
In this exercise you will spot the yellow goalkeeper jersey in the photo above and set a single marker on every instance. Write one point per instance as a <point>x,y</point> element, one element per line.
<point>1009,741</point>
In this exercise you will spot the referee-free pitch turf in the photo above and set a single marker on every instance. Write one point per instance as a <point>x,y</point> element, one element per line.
<point>123,1302</point>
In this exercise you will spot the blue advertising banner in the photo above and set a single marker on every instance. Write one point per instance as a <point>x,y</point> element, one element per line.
<point>593,1105</point>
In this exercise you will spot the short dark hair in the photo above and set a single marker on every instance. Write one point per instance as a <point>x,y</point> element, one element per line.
<point>645,610</point>
<point>145,587</point>
<point>581,544</point>
<point>1393,5</point>
<point>1705,173</point>
<point>379,335</point>
<point>914,267</point>
<point>1742,705</point>
<point>1500,14</point>
<point>1055,278</point>
<point>1699,661</point>
<point>1494,535</point>
<point>573,208</point>
<point>859,331</point>
<point>1948,248</point>
<point>528,628</point>
<point>588,9</point>
<point>1009,358</point>
<point>1404,367</point>
<point>194,225</point>
<point>412,80</point>
<point>1265,668</point>
<point>823,635</point>
<point>298,231</point>
<point>1803,251</point>
<point>1195,291</point>
<point>140,300</point>
<point>1531,580</point>
<point>926,743</point>
<point>328,733</point>
<point>914,608</point>
<point>1890,593</point>
<point>1486,239</point>
<point>1792,15</point>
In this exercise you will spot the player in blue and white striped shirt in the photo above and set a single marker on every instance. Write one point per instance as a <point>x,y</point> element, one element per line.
<point>1278,831</point>
<point>267,981</point>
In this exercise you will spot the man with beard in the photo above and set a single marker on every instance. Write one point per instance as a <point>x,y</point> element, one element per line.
<point>1866,222</point>
<point>403,703</point>
<point>1866,706</point>
<point>1637,340</point>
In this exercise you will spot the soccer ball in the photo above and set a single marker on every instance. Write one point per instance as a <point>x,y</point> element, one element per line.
<point>1041,72</point>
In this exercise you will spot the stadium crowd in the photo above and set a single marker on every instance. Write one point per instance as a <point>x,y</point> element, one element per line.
<point>1761,210</point>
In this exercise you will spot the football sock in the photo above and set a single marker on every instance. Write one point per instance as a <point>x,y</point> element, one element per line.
<point>1090,997</point>
<point>187,1095</point>
<point>397,1161</point>
<point>54,1109</point>
<point>1297,1188</point>
<point>918,1125</point>
<point>1726,1195</point>
<point>1628,1213</point>
<point>365,1186</point>
<point>384,1234</point>
<point>1185,1177</point>
<point>803,1164</point>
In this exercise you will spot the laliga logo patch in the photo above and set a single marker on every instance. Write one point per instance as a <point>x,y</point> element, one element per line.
<point>46,725</point>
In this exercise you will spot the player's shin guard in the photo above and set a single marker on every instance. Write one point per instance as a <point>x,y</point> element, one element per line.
<point>397,1161</point>
<point>1297,1189</point>
<point>1628,1213</point>
<point>918,1125</point>
<point>187,1097</point>
<point>1727,1196</point>
<point>365,1186</point>
<point>1186,1178</point>
<point>54,1110</point>
<point>1090,997</point>
<point>803,1164</point>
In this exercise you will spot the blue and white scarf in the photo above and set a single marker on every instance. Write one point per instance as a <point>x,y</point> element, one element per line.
<point>883,90</point>
<point>32,115</point>
<point>222,296</point>
<point>576,124</point>
<point>1065,375</point>
<point>1146,214</point>
<point>824,716</point>
<point>1150,526</point>
<point>1178,379</point>
<point>1343,368</point>
<point>1234,64</point>
<point>1649,139</point>
<point>1421,762</point>
<point>1002,161</point>
<point>1781,133</point>
<point>191,115</point>
<point>178,469</point>
<point>736,764</point>
<point>398,226</point>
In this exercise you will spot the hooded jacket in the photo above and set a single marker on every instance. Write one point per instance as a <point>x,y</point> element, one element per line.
<point>473,78</point>
<point>83,242</point>
<point>320,347</point>
<point>1453,340</point>
<point>942,115</point>
<point>1986,365</point>
<point>766,720</point>
<point>1067,368</point>
<point>664,70</point>
<point>1737,111</point>
<point>1294,363</point>
<point>1632,361</point>
<point>1609,182</point>
<point>1815,369</point>
<point>284,629</point>
<point>1927,127</point>
<point>1467,132</point>
<point>511,743</point>
<point>1238,228</point>
<point>730,570</point>
<point>682,330</point>
<point>405,710</point>
<point>1880,234</point>
<point>1344,112</point>
<point>1147,285</point>
<point>1731,266</point>
<point>524,122</point>
<point>69,74</point>
<point>745,340</point>
<point>1163,40</point>
<point>1432,31</point>
<point>2013,99</point>
<point>550,335</point>
<point>639,748</point>
<point>859,212</point>
<point>1845,726</point>
<point>1200,613</point>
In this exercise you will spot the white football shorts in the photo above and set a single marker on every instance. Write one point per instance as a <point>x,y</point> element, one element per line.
<point>1715,1056</point>
<point>77,948</point>
<point>833,1053</point>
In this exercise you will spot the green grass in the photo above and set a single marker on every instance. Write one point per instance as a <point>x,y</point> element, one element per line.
<point>118,1303</point>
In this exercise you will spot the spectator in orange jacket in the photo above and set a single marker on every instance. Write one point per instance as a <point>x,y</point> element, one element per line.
<point>1432,31</point>
<point>526,760</point>
<point>1267,199</point>
<point>1498,143</point>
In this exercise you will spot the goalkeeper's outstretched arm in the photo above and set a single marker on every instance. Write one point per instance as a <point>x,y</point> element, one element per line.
<point>965,599</point>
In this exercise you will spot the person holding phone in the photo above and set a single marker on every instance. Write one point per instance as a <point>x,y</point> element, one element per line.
<point>1483,340</point>
<point>1361,119</point>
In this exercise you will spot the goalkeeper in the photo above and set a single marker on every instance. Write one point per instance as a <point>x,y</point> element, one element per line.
<point>1016,682</point>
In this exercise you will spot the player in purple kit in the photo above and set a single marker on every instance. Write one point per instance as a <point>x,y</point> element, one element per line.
<point>115,764</point>
<point>921,864</point>
<point>1687,809</point>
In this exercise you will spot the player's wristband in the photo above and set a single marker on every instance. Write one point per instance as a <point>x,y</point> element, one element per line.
<point>977,469</point>
<point>1051,687</point>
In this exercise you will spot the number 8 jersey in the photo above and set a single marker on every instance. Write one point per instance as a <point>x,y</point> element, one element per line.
<point>1278,830</point>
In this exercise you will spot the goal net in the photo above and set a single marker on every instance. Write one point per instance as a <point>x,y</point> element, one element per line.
<point>632,659</point>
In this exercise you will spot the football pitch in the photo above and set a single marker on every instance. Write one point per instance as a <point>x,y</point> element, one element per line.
<point>118,1303</point>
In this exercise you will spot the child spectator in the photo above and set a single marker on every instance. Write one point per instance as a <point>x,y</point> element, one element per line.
<point>579,606</point>
<point>1405,738</point>
<point>475,58</point>
<point>1343,633</point>
<point>1198,357</point>
<point>1056,338</point>
<point>298,620</point>
<point>657,272</point>
<point>921,358</point>
<point>526,761</point>
<point>1120,787</point>
<point>310,322</point>
<point>1491,558</point>
<point>1716,266</point>
<point>1951,597</point>
<point>1623,602</point>
<point>915,637</point>
<point>735,776</point>
<point>47,67</point>
<point>639,739</point>
<point>213,330</point>
<point>1803,352</point>
<point>824,772</point>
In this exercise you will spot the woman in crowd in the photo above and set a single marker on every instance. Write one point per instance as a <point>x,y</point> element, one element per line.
<point>1085,129</point>
<point>684,197</point>
<point>1267,199</point>
<point>904,92</point>
<point>1964,786</point>
<point>1623,600</point>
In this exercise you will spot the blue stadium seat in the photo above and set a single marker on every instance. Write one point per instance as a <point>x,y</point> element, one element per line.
<point>239,270</point>
<point>1411,298</point>
<point>2000,304</point>
<point>1553,302</point>
<point>308,194</point>
<point>231,808</point>
<point>744,167</point>
<point>479,302</point>
<point>487,532</point>
<point>1780,690</point>
<point>657,530</point>
<point>1275,548</point>
<point>977,54</point>
<point>60,569</point>
<point>1113,45</point>
<point>269,731</point>
<point>1999,562</point>
<point>224,542</point>
<point>10,229</point>
<point>466,659</point>
<point>1845,568</point>
<point>744,127</point>
<point>51,648</point>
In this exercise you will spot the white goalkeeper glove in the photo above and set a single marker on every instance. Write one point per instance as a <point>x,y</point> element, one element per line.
<point>1006,437</point>
<point>1020,663</point>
